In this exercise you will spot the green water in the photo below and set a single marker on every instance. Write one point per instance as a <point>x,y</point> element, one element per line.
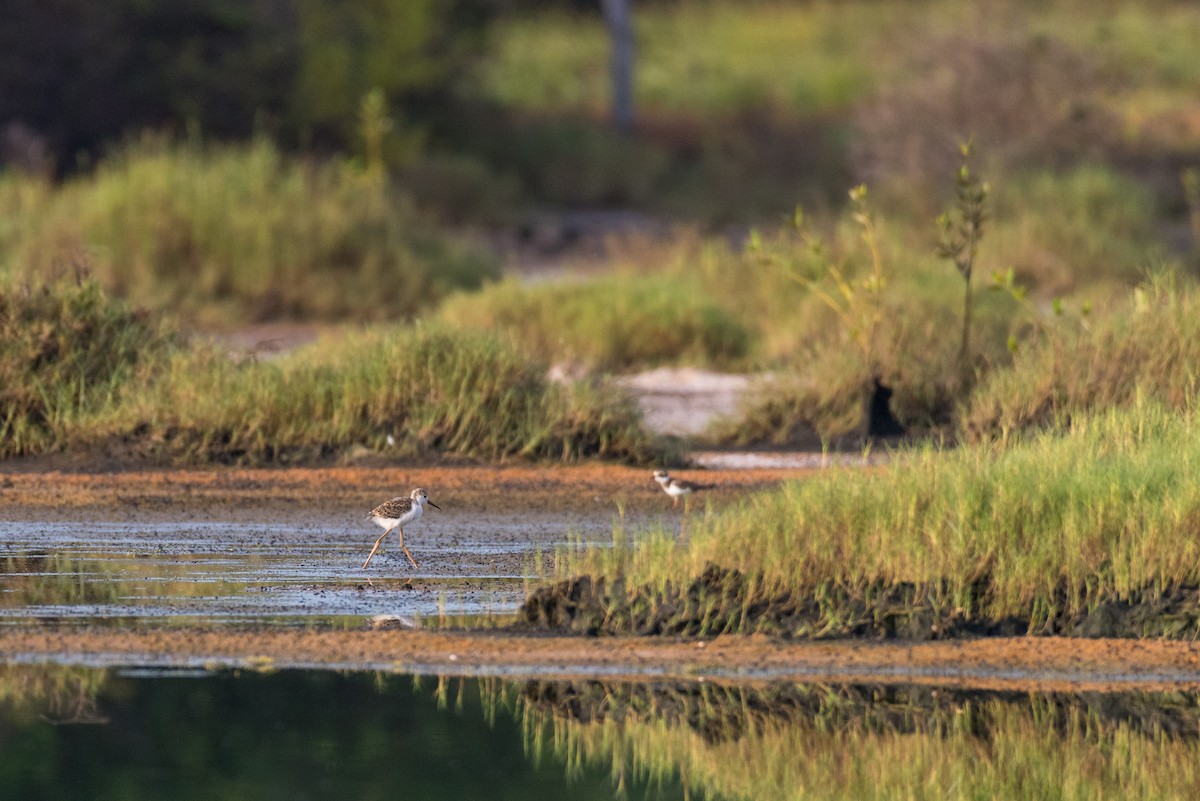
<point>68,733</point>
<point>85,733</point>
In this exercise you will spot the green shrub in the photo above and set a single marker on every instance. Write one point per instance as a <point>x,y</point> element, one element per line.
<point>240,232</point>
<point>67,352</point>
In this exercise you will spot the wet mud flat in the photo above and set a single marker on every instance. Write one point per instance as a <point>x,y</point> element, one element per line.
<point>287,546</point>
<point>262,568</point>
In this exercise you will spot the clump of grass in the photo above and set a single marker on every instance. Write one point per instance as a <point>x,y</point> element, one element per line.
<point>614,323</point>
<point>67,349</point>
<point>241,232</point>
<point>415,391</point>
<point>1145,351</point>
<point>1041,533</point>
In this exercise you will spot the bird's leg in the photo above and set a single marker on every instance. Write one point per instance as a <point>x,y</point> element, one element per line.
<point>676,504</point>
<point>376,548</point>
<point>406,553</point>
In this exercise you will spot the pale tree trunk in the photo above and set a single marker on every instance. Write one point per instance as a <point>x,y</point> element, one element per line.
<point>619,16</point>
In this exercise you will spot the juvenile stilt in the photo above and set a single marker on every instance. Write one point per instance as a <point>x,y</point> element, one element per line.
<point>394,514</point>
<point>676,488</point>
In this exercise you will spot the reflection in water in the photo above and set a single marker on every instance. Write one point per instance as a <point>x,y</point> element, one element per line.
<point>314,734</point>
<point>804,741</point>
<point>260,736</point>
<point>53,693</point>
<point>34,579</point>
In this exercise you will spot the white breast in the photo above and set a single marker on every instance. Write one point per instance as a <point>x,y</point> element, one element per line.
<point>412,514</point>
<point>675,490</point>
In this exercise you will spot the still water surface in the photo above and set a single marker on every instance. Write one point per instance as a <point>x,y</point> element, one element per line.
<point>86,733</point>
<point>295,567</point>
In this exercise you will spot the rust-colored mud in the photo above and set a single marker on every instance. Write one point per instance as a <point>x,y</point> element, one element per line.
<point>1034,664</point>
<point>61,494</point>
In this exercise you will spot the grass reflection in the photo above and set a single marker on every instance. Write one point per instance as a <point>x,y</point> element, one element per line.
<point>801,742</point>
<point>708,740</point>
<point>38,579</point>
<point>259,736</point>
<point>54,693</point>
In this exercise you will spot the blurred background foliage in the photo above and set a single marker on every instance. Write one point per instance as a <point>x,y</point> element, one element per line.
<point>82,75</point>
<point>380,160</point>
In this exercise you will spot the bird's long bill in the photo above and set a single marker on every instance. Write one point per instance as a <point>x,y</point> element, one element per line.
<point>434,505</point>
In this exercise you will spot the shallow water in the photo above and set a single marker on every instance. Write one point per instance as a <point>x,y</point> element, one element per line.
<point>290,568</point>
<point>134,734</point>
<point>131,735</point>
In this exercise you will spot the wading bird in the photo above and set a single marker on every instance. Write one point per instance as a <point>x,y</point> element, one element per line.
<point>677,488</point>
<point>395,514</point>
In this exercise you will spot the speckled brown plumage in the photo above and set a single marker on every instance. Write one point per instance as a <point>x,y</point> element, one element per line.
<point>394,514</point>
<point>393,509</point>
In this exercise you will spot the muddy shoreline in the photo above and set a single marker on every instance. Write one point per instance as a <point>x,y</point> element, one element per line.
<point>73,501</point>
<point>1025,664</point>
<point>68,494</point>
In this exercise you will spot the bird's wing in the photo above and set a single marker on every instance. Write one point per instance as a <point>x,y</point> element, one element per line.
<point>396,507</point>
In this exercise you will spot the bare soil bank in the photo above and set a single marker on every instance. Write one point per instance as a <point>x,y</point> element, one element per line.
<point>1033,664</point>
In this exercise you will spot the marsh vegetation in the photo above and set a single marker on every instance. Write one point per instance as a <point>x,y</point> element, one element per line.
<point>1031,311</point>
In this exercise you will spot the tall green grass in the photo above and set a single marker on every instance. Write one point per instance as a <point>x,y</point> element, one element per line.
<point>228,233</point>
<point>1086,232</point>
<point>1146,351</point>
<point>80,370</point>
<point>1040,531</point>
<point>1074,241</point>
<point>613,323</point>
<point>419,391</point>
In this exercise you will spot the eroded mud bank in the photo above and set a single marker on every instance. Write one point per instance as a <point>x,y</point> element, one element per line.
<point>721,601</point>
